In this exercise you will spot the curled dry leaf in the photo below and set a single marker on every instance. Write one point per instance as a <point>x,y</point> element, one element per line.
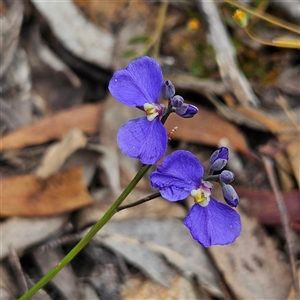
<point>79,35</point>
<point>56,154</point>
<point>28,195</point>
<point>85,117</point>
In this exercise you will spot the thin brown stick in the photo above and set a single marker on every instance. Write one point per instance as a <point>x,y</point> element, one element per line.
<point>284,219</point>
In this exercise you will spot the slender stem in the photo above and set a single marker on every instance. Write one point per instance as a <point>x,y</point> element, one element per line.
<point>168,112</point>
<point>160,26</point>
<point>266,17</point>
<point>284,220</point>
<point>143,200</point>
<point>211,177</point>
<point>285,44</point>
<point>106,217</point>
<point>156,36</point>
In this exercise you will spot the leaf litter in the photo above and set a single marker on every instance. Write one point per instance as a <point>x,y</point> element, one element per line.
<point>75,180</point>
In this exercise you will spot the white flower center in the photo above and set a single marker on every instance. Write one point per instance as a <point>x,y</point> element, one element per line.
<point>202,195</point>
<point>151,110</point>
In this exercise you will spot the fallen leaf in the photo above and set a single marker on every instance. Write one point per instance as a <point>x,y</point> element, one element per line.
<point>252,266</point>
<point>56,154</point>
<point>263,206</point>
<point>137,288</point>
<point>28,195</point>
<point>85,117</point>
<point>65,282</point>
<point>207,128</point>
<point>285,131</point>
<point>144,241</point>
<point>80,36</point>
<point>20,233</point>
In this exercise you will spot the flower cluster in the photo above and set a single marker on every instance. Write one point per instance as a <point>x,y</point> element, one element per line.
<point>180,174</point>
<point>141,85</point>
<point>209,221</point>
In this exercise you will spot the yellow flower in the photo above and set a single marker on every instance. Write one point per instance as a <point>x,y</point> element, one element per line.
<point>193,24</point>
<point>241,18</point>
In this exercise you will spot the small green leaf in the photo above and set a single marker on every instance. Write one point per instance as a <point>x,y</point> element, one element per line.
<point>139,39</point>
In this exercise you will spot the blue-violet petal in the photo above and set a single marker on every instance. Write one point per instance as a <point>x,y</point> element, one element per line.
<point>142,139</point>
<point>138,84</point>
<point>215,224</point>
<point>179,174</point>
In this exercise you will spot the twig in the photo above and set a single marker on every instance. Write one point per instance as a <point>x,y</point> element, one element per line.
<point>143,200</point>
<point>156,37</point>
<point>281,101</point>
<point>284,219</point>
<point>225,55</point>
<point>275,43</point>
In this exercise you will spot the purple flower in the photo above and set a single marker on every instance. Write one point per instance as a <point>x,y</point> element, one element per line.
<point>230,195</point>
<point>140,85</point>
<point>209,221</point>
<point>186,110</point>
<point>168,89</point>
<point>226,176</point>
<point>218,159</point>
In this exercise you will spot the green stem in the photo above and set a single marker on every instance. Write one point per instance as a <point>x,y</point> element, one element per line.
<point>106,217</point>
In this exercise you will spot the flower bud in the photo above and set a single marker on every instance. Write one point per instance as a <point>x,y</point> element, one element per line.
<point>186,110</point>
<point>241,18</point>
<point>177,101</point>
<point>168,89</point>
<point>226,176</point>
<point>218,159</point>
<point>230,195</point>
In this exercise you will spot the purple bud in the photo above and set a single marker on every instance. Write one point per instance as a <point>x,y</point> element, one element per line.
<point>230,195</point>
<point>168,89</point>
<point>177,101</point>
<point>186,110</point>
<point>226,176</point>
<point>218,159</point>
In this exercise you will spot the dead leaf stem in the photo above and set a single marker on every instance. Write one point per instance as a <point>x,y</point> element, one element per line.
<point>284,218</point>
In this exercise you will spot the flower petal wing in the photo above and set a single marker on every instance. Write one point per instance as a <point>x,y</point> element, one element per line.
<point>143,139</point>
<point>139,83</point>
<point>215,224</point>
<point>179,173</point>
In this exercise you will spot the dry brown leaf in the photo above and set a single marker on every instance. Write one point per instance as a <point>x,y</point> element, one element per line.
<point>207,128</point>
<point>27,195</point>
<point>262,204</point>
<point>56,154</point>
<point>85,117</point>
